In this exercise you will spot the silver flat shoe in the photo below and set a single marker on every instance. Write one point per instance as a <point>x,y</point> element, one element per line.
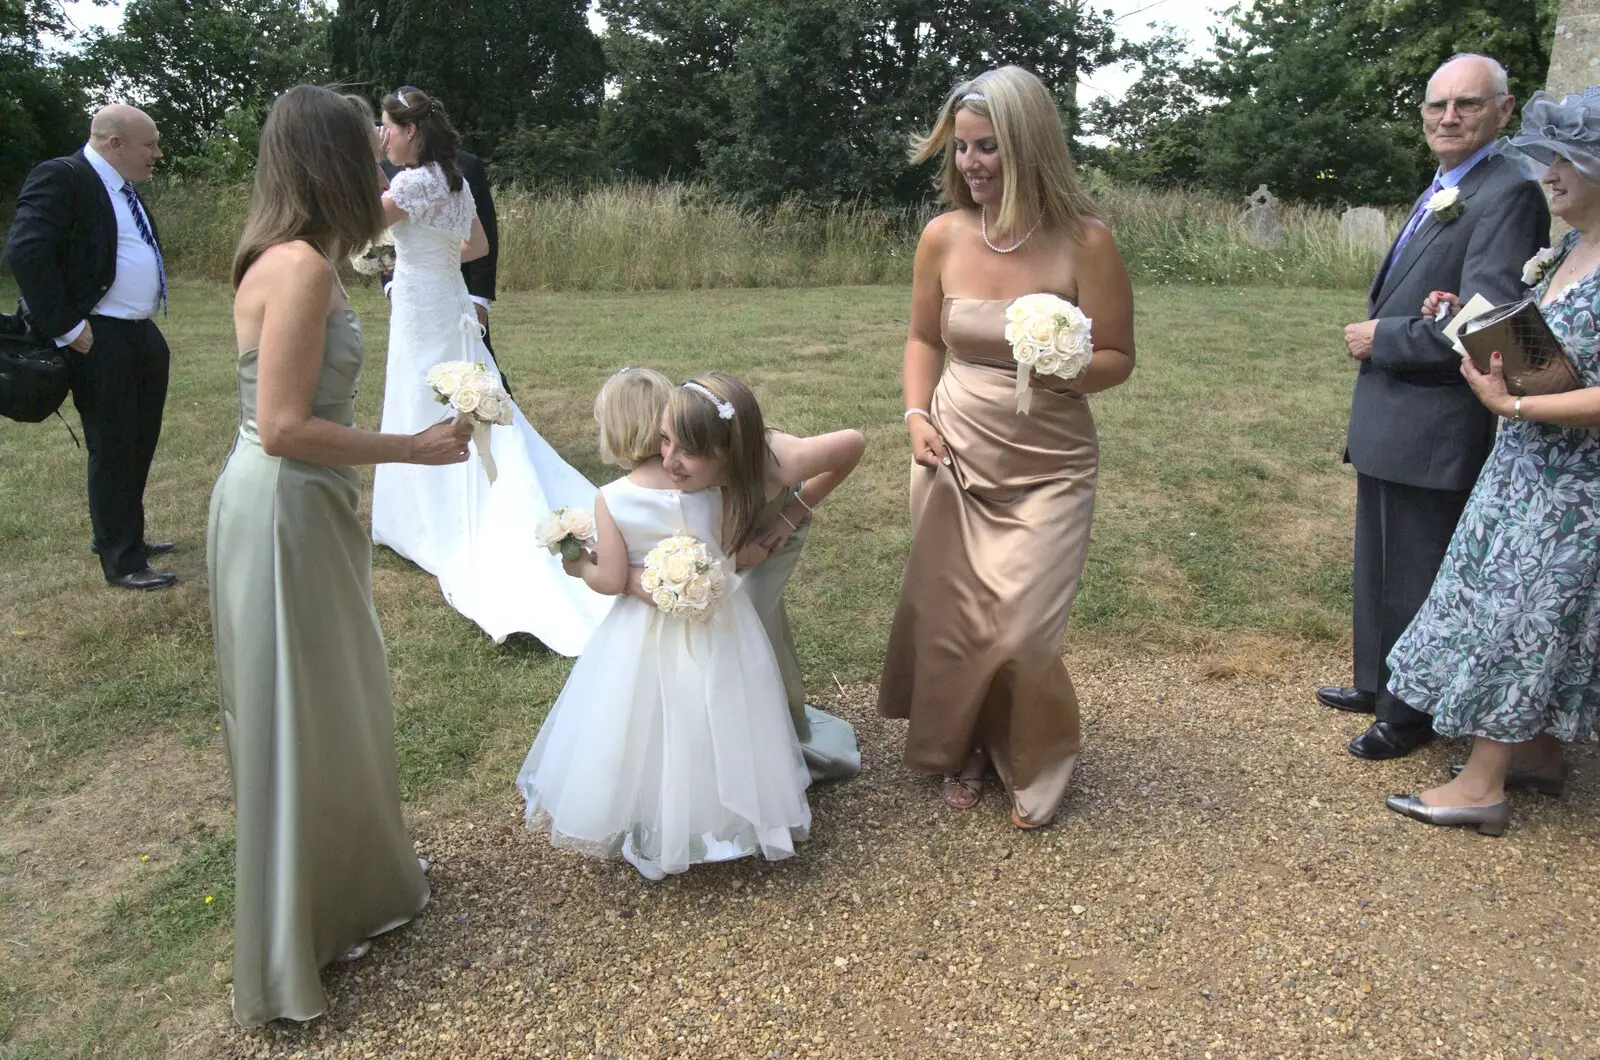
<point>424,864</point>
<point>1490,820</point>
<point>354,953</point>
<point>1551,782</point>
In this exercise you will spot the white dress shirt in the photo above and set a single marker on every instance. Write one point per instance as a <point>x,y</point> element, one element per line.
<point>135,292</point>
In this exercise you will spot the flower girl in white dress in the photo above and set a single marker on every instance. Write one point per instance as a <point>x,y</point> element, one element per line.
<point>671,743</point>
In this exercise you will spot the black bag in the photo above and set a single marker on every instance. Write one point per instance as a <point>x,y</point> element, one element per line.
<point>34,375</point>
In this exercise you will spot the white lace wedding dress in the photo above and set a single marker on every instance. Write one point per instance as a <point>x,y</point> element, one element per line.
<point>477,539</point>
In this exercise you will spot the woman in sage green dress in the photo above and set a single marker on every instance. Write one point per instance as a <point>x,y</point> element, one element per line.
<point>324,861</point>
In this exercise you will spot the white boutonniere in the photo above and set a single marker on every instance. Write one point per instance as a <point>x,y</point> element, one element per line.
<point>1534,269</point>
<point>1445,205</point>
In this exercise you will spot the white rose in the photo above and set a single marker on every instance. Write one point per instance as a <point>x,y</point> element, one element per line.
<point>678,568</point>
<point>1025,352</point>
<point>506,418</point>
<point>664,598</point>
<point>490,408</point>
<point>1049,364</point>
<point>579,523</point>
<point>468,396</point>
<point>446,383</point>
<point>650,580</point>
<point>1442,199</point>
<point>698,592</point>
<point>550,532</point>
<point>1038,329</point>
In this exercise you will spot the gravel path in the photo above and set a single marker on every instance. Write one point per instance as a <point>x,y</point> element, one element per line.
<point>1223,881</point>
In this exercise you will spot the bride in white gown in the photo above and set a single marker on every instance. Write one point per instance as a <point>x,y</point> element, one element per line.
<point>477,539</point>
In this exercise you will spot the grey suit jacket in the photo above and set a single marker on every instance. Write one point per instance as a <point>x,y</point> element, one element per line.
<point>1413,418</point>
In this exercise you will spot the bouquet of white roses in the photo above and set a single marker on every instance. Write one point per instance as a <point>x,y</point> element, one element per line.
<point>682,578</point>
<point>376,258</point>
<point>476,397</point>
<point>1048,335</point>
<point>565,530</point>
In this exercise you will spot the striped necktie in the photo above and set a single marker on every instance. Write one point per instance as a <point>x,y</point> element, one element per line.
<point>144,233</point>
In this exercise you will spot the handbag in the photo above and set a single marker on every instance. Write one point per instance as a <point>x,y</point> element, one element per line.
<point>34,374</point>
<point>1531,356</point>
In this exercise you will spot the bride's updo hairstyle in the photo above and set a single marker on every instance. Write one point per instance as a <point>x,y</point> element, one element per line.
<point>314,179</point>
<point>739,441</point>
<point>628,410</point>
<point>437,139</point>
<point>1037,178</point>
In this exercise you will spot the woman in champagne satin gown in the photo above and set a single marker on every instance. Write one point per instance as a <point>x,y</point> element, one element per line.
<point>1001,500</point>
<point>323,859</point>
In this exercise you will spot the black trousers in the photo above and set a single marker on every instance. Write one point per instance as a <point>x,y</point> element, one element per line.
<point>120,388</point>
<point>1402,533</point>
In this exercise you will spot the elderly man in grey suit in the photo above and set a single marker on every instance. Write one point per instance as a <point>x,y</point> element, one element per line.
<point>1417,435</point>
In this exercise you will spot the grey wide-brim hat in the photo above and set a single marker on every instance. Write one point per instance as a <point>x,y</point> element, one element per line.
<point>1551,129</point>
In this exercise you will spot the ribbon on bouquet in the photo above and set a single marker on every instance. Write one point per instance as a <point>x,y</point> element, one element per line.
<point>1024,390</point>
<point>472,333</point>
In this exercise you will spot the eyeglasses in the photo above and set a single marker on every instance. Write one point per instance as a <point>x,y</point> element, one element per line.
<point>1466,106</point>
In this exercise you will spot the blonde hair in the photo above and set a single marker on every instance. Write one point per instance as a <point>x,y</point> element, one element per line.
<point>1037,178</point>
<point>628,409</point>
<point>740,442</point>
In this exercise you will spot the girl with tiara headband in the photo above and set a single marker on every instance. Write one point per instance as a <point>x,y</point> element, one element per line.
<point>671,743</point>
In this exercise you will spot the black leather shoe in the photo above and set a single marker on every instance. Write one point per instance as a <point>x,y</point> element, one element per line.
<point>151,548</point>
<point>1383,741</point>
<point>1349,699</point>
<point>145,580</point>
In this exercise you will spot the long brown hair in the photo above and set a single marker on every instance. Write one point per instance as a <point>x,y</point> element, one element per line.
<point>740,441</point>
<point>1037,178</point>
<point>315,179</point>
<point>437,139</point>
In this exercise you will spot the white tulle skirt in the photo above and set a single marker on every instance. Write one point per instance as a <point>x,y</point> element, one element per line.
<point>671,744</point>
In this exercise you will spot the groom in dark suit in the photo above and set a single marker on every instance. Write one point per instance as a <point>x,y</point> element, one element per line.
<point>86,258</point>
<point>1418,436</point>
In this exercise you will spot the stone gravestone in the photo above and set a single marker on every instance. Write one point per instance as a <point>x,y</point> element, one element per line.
<point>1261,225</point>
<point>1364,228</point>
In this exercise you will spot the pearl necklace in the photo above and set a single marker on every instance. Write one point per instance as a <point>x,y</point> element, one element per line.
<point>983,227</point>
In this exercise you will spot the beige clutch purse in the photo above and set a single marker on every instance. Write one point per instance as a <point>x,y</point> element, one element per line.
<point>1531,355</point>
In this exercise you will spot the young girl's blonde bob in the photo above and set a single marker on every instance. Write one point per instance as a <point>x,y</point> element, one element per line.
<point>628,410</point>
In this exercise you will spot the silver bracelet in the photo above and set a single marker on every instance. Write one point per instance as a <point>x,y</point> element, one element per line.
<point>785,518</point>
<point>916,412</point>
<point>802,501</point>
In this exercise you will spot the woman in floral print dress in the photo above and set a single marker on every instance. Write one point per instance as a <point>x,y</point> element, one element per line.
<point>1507,647</point>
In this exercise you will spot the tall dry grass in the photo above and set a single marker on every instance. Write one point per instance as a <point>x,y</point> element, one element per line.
<point>637,237</point>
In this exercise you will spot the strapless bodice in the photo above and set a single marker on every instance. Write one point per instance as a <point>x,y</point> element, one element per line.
<point>335,398</point>
<point>974,330</point>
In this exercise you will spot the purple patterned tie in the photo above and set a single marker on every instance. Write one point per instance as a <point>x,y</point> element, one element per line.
<point>145,234</point>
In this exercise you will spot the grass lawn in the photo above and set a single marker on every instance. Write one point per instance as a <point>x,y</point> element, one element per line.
<point>1224,521</point>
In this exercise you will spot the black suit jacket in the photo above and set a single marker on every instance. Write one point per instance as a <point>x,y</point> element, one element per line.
<point>63,243</point>
<point>1413,418</point>
<point>479,274</point>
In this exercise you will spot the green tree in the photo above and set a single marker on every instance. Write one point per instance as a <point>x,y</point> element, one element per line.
<point>772,99</point>
<point>1156,127</point>
<point>669,61</point>
<point>497,65</point>
<point>42,110</point>
<point>1322,96</point>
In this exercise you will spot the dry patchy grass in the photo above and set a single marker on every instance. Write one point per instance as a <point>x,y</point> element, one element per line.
<point>1222,526</point>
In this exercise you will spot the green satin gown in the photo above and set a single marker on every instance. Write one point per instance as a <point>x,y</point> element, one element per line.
<point>324,859</point>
